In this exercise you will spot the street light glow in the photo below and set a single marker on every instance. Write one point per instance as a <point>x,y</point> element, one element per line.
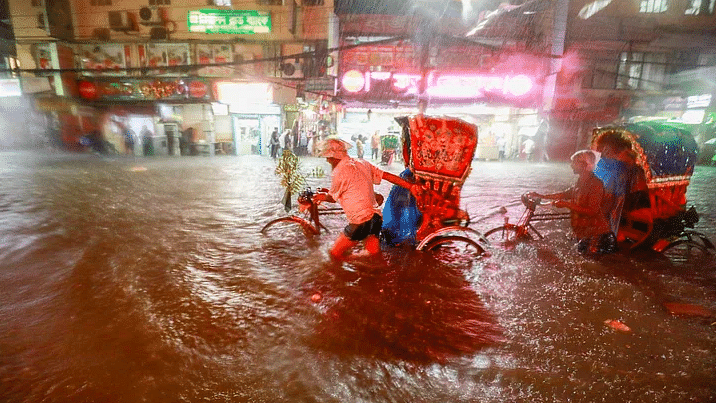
<point>518,85</point>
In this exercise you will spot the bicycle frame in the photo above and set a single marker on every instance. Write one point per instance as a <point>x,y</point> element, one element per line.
<point>314,212</point>
<point>310,221</point>
<point>524,226</point>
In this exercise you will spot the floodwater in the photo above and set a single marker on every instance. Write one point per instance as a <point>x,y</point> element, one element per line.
<point>147,280</point>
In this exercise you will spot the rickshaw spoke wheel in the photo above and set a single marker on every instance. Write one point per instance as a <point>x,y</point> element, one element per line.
<point>455,250</point>
<point>289,228</point>
<point>507,236</point>
<point>690,253</point>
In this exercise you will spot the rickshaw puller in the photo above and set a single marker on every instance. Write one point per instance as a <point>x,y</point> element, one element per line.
<point>352,187</point>
<point>587,201</point>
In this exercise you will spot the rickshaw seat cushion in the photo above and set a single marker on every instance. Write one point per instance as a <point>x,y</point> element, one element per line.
<point>635,225</point>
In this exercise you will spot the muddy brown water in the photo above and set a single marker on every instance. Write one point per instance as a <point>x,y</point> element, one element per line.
<point>147,280</point>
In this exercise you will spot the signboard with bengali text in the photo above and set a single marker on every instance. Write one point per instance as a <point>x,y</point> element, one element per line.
<point>167,89</point>
<point>106,58</point>
<point>10,87</point>
<point>229,21</point>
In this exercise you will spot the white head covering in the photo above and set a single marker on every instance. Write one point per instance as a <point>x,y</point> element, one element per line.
<point>334,148</point>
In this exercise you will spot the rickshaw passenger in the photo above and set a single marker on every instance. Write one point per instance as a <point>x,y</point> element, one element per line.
<point>586,200</point>
<point>623,180</point>
<point>401,217</point>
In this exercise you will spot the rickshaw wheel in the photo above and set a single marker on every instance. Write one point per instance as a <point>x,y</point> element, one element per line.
<point>507,236</point>
<point>455,249</point>
<point>289,228</point>
<point>690,253</point>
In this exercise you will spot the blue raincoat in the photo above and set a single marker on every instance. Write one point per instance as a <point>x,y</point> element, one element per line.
<point>400,215</point>
<point>620,179</point>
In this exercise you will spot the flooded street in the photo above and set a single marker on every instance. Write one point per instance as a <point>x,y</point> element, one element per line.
<point>147,280</point>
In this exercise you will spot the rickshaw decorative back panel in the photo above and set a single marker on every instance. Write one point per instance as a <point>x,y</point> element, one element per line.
<point>389,142</point>
<point>440,152</point>
<point>670,153</point>
<point>441,147</point>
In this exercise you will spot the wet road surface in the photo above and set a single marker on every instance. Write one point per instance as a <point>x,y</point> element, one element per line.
<point>147,280</point>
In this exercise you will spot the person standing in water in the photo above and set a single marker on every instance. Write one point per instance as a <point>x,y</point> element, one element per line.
<point>352,187</point>
<point>587,201</point>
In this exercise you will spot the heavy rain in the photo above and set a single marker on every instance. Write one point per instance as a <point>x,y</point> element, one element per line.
<point>145,149</point>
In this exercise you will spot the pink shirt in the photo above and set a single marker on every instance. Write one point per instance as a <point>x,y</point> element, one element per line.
<point>352,187</point>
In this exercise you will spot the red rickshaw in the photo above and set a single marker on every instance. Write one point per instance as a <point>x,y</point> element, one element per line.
<point>440,151</point>
<point>664,157</point>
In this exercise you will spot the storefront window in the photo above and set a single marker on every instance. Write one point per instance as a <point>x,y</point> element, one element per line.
<point>653,6</point>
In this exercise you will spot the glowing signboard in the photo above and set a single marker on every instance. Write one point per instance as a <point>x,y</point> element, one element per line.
<point>229,21</point>
<point>131,89</point>
<point>441,85</point>
<point>243,93</point>
<point>698,101</point>
<point>353,81</point>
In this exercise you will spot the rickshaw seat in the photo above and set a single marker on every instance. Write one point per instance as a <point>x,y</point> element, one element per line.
<point>636,225</point>
<point>642,214</point>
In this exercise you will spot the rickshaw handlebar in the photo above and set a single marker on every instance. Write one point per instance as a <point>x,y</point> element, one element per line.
<point>306,197</point>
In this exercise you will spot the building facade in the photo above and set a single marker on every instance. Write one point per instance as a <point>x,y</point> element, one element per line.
<point>642,59</point>
<point>170,77</point>
<point>589,63</point>
<point>221,77</point>
<point>485,64</point>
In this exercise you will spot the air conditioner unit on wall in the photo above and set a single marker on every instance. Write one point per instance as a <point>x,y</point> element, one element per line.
<point>291,70</point>
<point>41,20</point>
<point>121,21</point>
<point>158,33</point>
<point>152,16</point>
<point>102,34</point>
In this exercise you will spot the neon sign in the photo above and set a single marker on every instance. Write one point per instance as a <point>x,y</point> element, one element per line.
<point>441,85</point>
<point>353,81</point>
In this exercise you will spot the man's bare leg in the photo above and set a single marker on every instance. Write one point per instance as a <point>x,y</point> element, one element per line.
<point>342,245</point>
<point>371,255</point>
<point>372,245</point>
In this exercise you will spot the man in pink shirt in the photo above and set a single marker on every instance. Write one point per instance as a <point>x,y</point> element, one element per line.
<point>352,187</point>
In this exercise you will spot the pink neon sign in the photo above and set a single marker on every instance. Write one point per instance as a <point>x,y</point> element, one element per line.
<point>442,85</point>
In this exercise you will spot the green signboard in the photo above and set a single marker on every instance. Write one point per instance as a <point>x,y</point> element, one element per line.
<point>229,21</point>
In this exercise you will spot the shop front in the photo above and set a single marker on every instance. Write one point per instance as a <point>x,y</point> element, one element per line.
<point>494,93</point>
<point>252,128</point>
<point>514,125</point>
<point>69,121</point>
<point>151,117</point>
<point>253,112</point>
<point>700,107</point>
